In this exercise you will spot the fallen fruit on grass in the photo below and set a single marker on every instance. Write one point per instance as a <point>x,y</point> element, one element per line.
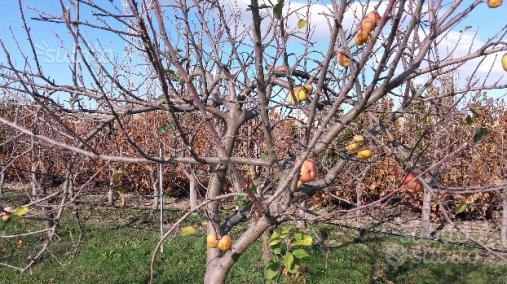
<point>361,37</point>
<point>308,171</point>
<point>364,154</point>
<point>225,243</point>
<point>494,3</point>
<point>412,184</point>
<point>8,210</point>
<point>504,62</point>
<point>211,240</point>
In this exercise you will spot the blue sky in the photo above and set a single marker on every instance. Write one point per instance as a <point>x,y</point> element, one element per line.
<point>486,21</point>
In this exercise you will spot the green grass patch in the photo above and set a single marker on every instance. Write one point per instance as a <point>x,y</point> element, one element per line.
<point>117,246</point>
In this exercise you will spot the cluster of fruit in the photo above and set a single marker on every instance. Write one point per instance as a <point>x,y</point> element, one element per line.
<point>223,243</point>
<point>367,25</point>
<point>356,143</point>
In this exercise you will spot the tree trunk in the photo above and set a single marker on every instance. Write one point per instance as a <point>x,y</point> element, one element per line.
<point>426,214</point>
<point>267,255</point>
<point>218,267</point>
<point>504,219</point>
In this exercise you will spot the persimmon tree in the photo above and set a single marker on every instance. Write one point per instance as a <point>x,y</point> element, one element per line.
<point>337,76</point>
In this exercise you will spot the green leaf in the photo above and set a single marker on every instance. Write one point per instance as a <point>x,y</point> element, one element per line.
<point>288,261</point>
<point>20,211</point>
<point>480,133</point>
<point>277,9</point>
<point>306,240</point>
<point>274,242</point>
<point>277,249</point>
<point>300,253</point>
<point>460,208</point>
<point>188,231</point>
<point>275,235</point>
<point>286,230</point>
<point>165,127</point>
<point>301,23</point>
<point>294,269</point>
<point>298,236</point>
<point>272,270</point>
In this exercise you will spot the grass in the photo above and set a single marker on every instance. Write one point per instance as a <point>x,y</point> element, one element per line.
<point>117,247</point>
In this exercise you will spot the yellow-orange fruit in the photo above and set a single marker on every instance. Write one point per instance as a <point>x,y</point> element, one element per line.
<point>225,243</point>
<point>343,59</point>
<point>302,94</point>
<point>364,154</point>
<point>361,37</point>
<point>211,241</point>
<point>367,25</point>
<point>495,3</point>
<point>373,16</point>
<point>308,171</point>
<point>504,62</point>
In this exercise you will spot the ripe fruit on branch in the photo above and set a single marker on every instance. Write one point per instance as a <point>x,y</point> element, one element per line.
<point>361,37</point>
<point>343,59</point>
<point>280,68</point>
<point>364,154</point>
<point>225,243</point>
<point>494,3</point>
<point>211,240</point>
<point>357,141</point>
<point>367,25</point>
<point>352,147</point>
<point>302,93</point>
<point>411,184</point>
<point>308,171</point>
<point>504,62</point>
<point>373,16</point>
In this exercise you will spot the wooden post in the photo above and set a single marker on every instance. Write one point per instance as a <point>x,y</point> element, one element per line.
<point>161,194</point>
<point>503,237</point>
<point>154,186</point>
<point>426,214</point>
